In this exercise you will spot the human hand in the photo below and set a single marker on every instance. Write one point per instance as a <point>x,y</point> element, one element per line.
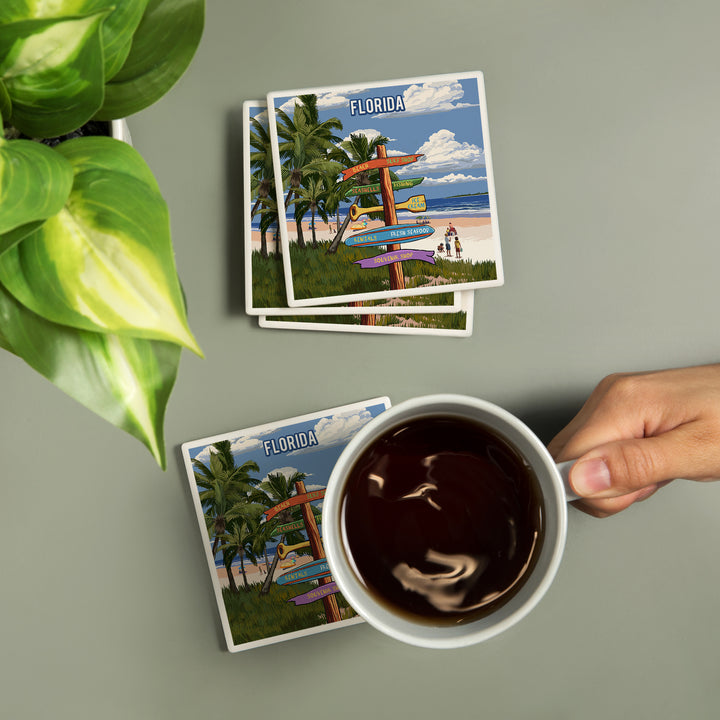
<point>637,432</point>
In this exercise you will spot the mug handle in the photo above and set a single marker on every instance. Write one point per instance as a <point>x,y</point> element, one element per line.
<point>564,470</point>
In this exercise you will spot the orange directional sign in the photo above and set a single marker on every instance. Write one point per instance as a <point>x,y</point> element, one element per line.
<point>295,500</point>
<point>385,162</point>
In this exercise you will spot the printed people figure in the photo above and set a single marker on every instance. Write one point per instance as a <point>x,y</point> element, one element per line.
<point>447,242</point>
<point>458,246</point>
<point>440,248</point>
<point>452,230</point>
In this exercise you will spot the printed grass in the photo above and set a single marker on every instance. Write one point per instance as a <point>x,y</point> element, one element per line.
<point>254,617</point>
<point>317,274</point>
<point>268,280</point>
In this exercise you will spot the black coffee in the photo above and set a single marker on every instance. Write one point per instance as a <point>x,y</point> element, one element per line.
<point>444,519</point>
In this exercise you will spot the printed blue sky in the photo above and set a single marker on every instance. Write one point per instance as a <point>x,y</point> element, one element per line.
<point>442,120</point>
<point>332,431</point>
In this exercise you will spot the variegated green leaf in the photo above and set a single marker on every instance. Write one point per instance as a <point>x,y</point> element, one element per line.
<point>5,105</point>
<point>125,380</point>
<point>117,30</point>
<point>35,182</point>
<point>163,46</point>
<point>4,342</point>
<point>104,262</point>
<point>53,73</point>
<point>12,238</point>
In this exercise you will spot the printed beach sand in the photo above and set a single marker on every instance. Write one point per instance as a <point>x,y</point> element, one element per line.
<point>475,233</point>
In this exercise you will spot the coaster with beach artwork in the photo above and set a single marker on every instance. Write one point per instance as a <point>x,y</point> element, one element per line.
<point>408,165</point>
<point>456,324</point>
<point>258,495</point>
<point>264,280</point>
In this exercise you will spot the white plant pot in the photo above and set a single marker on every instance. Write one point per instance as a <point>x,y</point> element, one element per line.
<point>120,131</point>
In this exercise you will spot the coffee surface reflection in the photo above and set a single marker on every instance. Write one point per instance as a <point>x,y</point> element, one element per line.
<point>443,518</point>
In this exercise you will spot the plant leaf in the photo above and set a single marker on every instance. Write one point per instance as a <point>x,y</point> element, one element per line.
<point>4,342</point>
<point>163,46</point>
<point>125,380</point>
<point>12,238</point>
<point>5,105</point>
<point>117,29</point>
<point>105,261</point>
<point>53,72</point>
<point>35,182</point>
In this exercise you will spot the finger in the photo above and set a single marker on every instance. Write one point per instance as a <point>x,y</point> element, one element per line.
<point>622,467</point>
<point>605,507</point>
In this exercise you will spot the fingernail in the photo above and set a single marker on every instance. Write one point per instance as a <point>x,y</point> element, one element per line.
<point>590,477</point>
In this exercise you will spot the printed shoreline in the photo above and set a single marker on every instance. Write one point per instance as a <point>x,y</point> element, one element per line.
<point>258,573</point>
<point>475,233</point>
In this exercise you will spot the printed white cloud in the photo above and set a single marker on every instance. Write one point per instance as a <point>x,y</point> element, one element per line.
<point>325,101</point>
<point>288,472</point>
<point>328,101</point>
<point>245,444</point>
<point>442,152</point>
<point>262,118</point>
<point>432,97</point>
<point>340,428</point>
<point>369,133</point>
<point>237,446</point>
<point>452,179</point>
<point>288,107</point>
<point>204,455</point>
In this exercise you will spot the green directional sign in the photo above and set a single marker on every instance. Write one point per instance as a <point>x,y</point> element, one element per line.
<point>375,188</point>
<point>290,527</point>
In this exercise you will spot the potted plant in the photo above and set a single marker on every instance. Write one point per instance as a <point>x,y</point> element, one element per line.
<point>89,292</point>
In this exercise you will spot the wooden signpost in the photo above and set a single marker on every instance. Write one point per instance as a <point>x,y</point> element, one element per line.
<point>383,163</point>
<point>324,592</point>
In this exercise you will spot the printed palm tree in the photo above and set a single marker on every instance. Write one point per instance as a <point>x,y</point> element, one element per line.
<point>356,150</point>
<point>268,219</point>
<point>222,484</point>
<point>243,520</point>
<point>261,164</point>
<point>311,196</point>
<point>302,138</point>
<point>263,533</point>
<point>273,490</point>
<point>262,183</point>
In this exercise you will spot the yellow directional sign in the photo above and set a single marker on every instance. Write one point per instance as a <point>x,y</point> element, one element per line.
<point>414,204</point>
<point>284,550</point>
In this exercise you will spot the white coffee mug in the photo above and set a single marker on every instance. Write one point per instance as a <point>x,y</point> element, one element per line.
<point>555,490</point>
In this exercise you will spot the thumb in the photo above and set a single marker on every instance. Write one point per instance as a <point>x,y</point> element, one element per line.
<point>625,466</point>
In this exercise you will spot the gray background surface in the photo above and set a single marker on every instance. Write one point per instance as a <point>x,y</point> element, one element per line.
<point>604,123</point>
